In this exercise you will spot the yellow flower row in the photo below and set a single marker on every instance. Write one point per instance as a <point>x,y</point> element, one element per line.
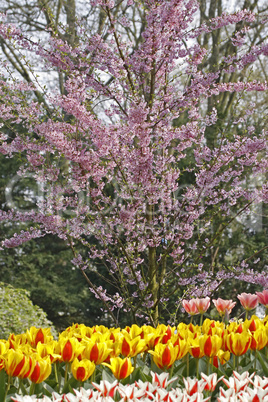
<point>31,354</point>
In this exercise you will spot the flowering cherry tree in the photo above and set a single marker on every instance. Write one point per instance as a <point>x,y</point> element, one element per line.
<point>111,162</point>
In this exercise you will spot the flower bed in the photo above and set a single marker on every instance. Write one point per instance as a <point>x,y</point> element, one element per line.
<point>245,387</point>
<point>34,363</point>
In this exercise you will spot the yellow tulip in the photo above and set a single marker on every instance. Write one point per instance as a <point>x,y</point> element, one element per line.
<point>121,368</point>
<point>48,349</point>
<point>101,329</point>
<point>183,332</point>
<point>82,369</point>
<point>17,364</point>
<point>165,355</point>
<point>211,327</point>
<point>210,345</point>
<point>182,327</point>
<point>183,346</point>
<point>132,347</point>
<point>238,343</point>
<point>253,324</point>
<point>36,335</point>
<point>96,352</point>
<point>195,329</point>
<point>223,356</point>
<point>68,348</point>
<point>15,341</point>
<point>234,327</point>
<point>153,335</point>
<point>165,332</point>
<point>259,339</point>
<point>4,346</point>
<point>195,349</point>
<point>133,331</point>
<point>150,336</point>
<point>41,370</point>
<point>115,334</point>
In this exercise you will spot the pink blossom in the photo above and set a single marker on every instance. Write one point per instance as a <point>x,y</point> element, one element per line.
<point>190,306</point>
<point>248,300</point>
<point>263,297</point>
<point>202,305</point>
<point>109,172</point>
<point>223,305</point>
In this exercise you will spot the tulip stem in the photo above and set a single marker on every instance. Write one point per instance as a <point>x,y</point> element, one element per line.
<point>32,388</point>
<point>21,387</point>
<point>66,373</point>
<point>201,320</point>
<point>144,357</point>
<point>237,363</point>
<point>234,362</point>
<point>197,368</point>
<point>56,375</point>
<point>208,366</point>
<point>93,376</point>
<point>135,361</point>
<point>171,371</point>
<point>7,387</point>
<point>187,364</point>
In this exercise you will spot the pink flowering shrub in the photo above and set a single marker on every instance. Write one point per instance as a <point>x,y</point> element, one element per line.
<point>112,163</point>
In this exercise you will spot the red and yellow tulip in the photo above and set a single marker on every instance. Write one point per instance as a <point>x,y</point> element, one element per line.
<point>164,355</point>
<point>121,368</point>
<point>35,335</point>
<point>41,369</point>
<point>210,345</point>
<point>17,364</point>
<point>68,348</point>
<point>132,347</point>
<point>195,348</point>
<point>82,369</point>
<point>238,343</point>
<point>96,352</point>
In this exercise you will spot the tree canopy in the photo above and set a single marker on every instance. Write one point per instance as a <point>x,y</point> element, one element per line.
<point>146,160</point>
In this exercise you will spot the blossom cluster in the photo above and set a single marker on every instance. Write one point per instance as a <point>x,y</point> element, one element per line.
<point>128,159</point>
<point>240,388</point>
<point>248,301</point>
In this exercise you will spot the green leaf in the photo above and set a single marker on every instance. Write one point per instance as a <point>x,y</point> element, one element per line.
<point>137,375</point>
<point>23,388</point>
<point>178,370</point>
<point>264,363</point>
<point>70,385</point>
<point>49,386</point>
<point>107,376</point>
<point>3,380</point>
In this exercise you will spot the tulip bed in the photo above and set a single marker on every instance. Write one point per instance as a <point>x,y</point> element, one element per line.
<point>34,363</point>
<point>243,388</point>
